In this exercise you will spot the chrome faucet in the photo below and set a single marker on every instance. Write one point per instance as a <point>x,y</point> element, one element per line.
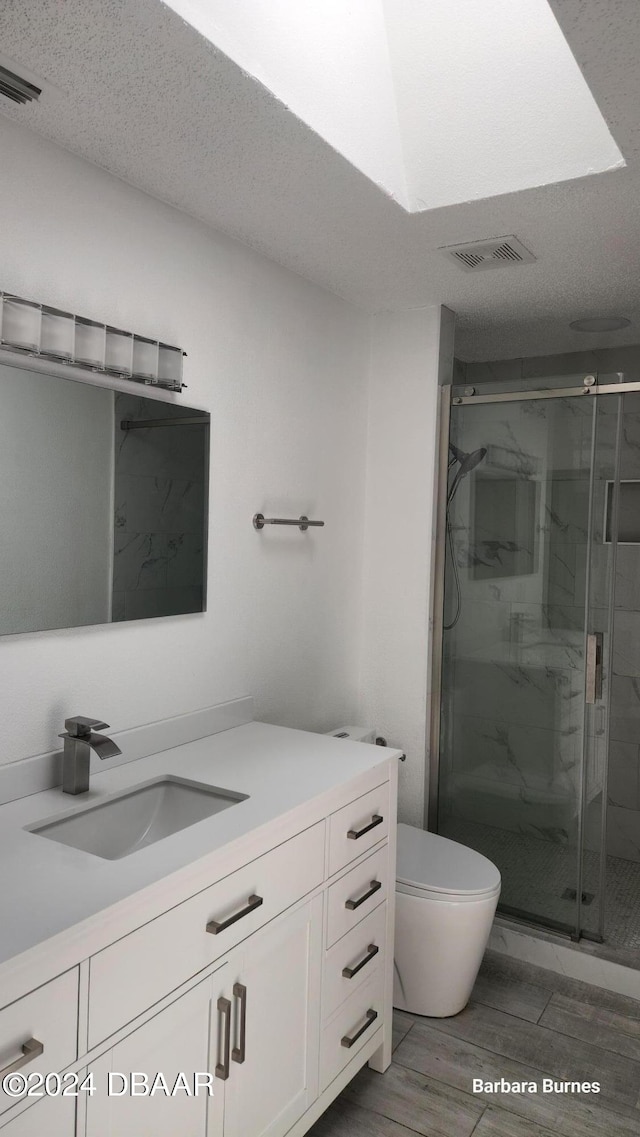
<point>79,740</point>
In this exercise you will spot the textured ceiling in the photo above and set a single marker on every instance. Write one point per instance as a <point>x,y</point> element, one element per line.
<point>141,94</point>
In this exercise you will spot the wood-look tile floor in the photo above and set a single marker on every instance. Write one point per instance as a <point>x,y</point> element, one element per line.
<point>522,1024</point>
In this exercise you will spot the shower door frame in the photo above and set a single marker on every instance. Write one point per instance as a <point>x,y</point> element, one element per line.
<point>590,387</point>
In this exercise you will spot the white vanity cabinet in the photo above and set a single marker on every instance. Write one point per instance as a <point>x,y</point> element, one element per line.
<point>274,1064</point>
<point>55,1117</point>
<point>273,979</point>
<point>175,1041</point>
<point>252,1027</point>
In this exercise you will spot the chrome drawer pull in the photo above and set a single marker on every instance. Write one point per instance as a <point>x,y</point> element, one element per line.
<point>30,1049</point>
<point>224,1012</point>
<point>371,1018</point>
<point>376,819</point>
<point>349,972</point>
<point>240,992</point>
<point>253,902</point>
<point>375,886</point>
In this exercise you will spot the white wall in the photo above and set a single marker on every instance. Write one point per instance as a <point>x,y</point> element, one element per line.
<point>56,506</point>
<point>410,351</point>
<point>328,62</point>
<point>281,365</point>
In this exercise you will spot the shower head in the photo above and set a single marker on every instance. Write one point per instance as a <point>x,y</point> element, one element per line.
<point>468,462</point>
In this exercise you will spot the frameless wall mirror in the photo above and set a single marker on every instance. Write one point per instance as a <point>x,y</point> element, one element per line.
<point>103,504</point>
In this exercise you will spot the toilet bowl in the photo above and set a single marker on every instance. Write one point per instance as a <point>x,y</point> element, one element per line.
<point>446,898</point>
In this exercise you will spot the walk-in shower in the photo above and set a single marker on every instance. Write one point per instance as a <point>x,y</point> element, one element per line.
<point>537,648</point>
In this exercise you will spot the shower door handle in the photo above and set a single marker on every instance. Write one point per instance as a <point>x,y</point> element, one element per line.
<point>593,671</point>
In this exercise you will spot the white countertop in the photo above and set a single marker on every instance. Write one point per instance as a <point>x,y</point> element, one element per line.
<point>47,888</point>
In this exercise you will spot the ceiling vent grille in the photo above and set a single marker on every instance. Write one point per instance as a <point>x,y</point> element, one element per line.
<point>497,253</point>
<point>17,89</point>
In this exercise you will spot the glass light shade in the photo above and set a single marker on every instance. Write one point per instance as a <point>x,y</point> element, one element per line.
<point>145,359</point>
<point>119,352</point>
<point>170,366</point>
<point>57,333</point>
<point>20,323</point>
<point>90,343</point>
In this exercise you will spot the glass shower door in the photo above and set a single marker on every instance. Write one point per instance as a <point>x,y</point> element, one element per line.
<point>521,769</point>
<point>599,602</point>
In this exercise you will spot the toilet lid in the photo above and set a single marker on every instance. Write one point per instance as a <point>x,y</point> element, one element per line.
<point>426,860</point>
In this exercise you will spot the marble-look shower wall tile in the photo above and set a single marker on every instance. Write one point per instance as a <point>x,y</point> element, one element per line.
<point>627,591</point>
<point>547,635</point>
<point>158,505</point>
<point>496,371</point>
<point>600,360</point>
<point>601,574</point>
<point>625,359</point>
<point>185,554</point>
<point>141,605</point>
<point>181,601</point>
<point>630,447</point>
<point>167,452</point>
<point>139,561</point>
<point>564,575</point>
<point>482,631</point>
<point>160,495</point>
<point>525,756</point>
<point>623,833</point>
<point>569,363</point>
<point>118,607</point>
<point>527,696</point>
<point>625,708</point>
<point>626,643</point>
<point>623,787</point>
<point>567,512</point>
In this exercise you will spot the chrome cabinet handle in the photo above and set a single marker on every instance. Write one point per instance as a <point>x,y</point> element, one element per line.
<point>253,902</point>
<point>224,1011</point>
<point>375,886</point>
<point>238,1052</point>
<point>349,1041</point>
<point>376,819</point>
<point>30,1049</point>
<point>349,972</point>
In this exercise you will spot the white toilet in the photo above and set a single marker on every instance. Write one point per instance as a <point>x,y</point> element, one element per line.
<point>446,898</point>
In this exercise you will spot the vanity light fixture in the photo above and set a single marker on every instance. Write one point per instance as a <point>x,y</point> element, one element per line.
<point>38,330</point>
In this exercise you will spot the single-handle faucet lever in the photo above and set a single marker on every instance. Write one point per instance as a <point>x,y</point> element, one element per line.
<point>80,739</point>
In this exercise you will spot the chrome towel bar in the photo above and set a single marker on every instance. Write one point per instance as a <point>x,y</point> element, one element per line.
<point>303,523</point>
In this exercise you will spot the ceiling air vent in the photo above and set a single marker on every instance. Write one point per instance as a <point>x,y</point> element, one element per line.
<point>498,252</point>
<point>17,89</point>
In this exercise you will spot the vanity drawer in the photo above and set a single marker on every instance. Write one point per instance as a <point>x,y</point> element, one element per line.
<point>351,1028</point>
<point>356,894</point>
<point>358,827</point>
<point>46,1019</point>
<point>353,960</point>
<point>134,973</point>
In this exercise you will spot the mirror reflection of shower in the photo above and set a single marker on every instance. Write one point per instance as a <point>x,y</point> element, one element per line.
<point>465,463</point>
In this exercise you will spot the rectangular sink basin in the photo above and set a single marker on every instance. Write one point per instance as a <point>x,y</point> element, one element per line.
<point>125,822</point>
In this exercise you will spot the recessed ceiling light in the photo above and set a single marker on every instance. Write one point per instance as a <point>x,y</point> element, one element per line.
<point>600,324</point>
